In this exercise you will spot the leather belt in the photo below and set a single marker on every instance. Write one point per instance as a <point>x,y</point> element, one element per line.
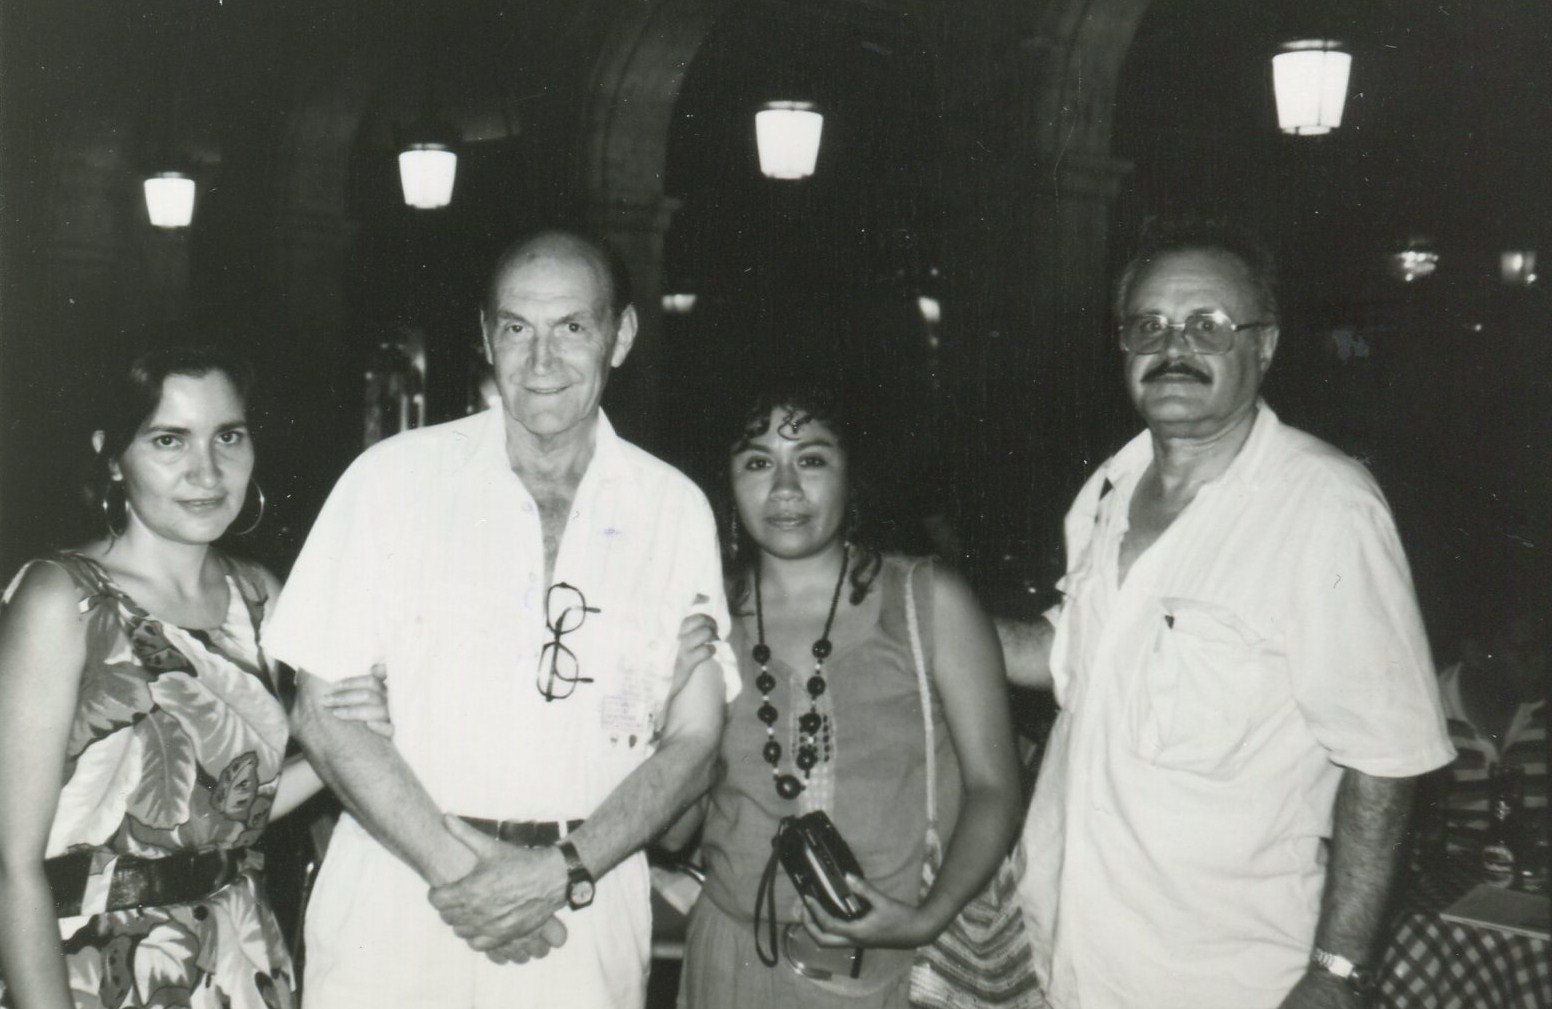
<point>524,833</point>
<point>180,878</point>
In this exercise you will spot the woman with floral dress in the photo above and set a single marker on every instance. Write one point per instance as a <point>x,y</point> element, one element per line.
<point>142,740</point>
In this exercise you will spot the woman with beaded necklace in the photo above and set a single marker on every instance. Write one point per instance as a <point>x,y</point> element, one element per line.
<point>830,719</point>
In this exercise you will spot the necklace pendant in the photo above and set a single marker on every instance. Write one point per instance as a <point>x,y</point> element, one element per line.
<point>771,752</point>
<point>821,649</point>
<point>788,787</point>
<point>808,756</point>
<point>762,653</point>
<point>816,686</point>
<point>767,713</point>
<point>808,723</point>
<point>765,682</point>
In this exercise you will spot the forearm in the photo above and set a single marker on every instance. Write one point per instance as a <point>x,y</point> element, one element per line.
<point>374,783</point>
<point>652,797</point>
<point>31,961</point>
<point>684,828</point>
<point>988,821</point>
<point>298,783</point>
<point>1366,846</point>
<point>1026,651</point>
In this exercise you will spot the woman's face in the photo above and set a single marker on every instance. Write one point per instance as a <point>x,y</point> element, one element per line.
<point>790,485</point>
<point>186,470</point>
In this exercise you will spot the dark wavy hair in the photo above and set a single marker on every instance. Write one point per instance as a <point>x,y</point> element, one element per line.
<point>132,396</point>
<point>1163,235</point>
<point>809,402</point>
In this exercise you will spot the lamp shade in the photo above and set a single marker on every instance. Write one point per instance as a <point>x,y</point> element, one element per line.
<point>1310,79</point>
<point>788,137</point>
<point>169,199</point>
<point>1519,268</point>
<point>1413,264</point>
<point>426,174</point>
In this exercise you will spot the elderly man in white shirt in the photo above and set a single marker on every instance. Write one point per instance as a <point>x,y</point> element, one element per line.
<point>523,575</point>
<point>1245,686</point>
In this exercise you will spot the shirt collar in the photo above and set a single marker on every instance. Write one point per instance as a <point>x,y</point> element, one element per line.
<point>489,447</point>
<point>1127,465</point>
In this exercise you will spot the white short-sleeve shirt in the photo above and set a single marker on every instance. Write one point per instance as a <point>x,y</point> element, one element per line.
<point>428,557</point>
<point>1269,638</point>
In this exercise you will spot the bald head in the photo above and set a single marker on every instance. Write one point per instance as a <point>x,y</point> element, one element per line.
<point>568,246</point>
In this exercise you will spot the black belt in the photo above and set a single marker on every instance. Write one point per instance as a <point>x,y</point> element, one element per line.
<point>524,833</point>
<point>143,882</point>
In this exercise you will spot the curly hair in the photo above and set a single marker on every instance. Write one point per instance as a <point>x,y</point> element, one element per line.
<point>807,402</point>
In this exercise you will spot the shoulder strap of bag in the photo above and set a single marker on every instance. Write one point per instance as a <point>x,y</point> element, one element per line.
<point>765,902</point>
<point>913,624</point>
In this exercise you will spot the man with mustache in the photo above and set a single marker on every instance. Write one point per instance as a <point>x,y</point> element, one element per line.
<point>1245,686</point>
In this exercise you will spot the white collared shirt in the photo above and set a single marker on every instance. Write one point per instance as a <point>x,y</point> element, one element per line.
<point>429,557</point>
<point>1269,638</point>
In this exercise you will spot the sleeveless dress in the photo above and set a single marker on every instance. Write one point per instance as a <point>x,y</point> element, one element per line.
<point>876,794</point>
<point>176,745</point>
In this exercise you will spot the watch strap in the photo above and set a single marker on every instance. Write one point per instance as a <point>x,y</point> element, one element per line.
<point>576,872</point>
<point>1356,975</point>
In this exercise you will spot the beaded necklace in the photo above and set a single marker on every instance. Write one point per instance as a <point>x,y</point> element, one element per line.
<point>809,723</point>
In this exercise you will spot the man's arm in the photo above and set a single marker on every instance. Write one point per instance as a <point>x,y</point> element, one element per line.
<point>370,777</point>
<point>479,906</point>
<point>1366,845</point>
<point>1026,650</point>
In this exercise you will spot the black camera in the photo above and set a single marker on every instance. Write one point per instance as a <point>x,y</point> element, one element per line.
<point>817,860</point>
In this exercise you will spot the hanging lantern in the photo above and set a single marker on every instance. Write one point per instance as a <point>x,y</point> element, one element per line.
<point>787,134</point>
<point>1519,268</point>
<point>426,174</point>
<point>1310,78</point>
<point>679,304</point>
<point>1413,263</point>
<point>169,199</point>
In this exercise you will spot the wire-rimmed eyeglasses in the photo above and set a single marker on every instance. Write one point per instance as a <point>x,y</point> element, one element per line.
<point>1203,332</point>
<point>559,671</point>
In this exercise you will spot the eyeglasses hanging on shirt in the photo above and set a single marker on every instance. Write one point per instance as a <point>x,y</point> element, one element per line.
<point>559,672</point>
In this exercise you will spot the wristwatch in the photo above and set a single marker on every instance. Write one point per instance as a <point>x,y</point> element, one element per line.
<point>579,882</point>
<point>1359,979</point>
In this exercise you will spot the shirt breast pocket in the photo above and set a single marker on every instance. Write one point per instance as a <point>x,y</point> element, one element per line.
<point>1209,683</point>
<point>642,649</point>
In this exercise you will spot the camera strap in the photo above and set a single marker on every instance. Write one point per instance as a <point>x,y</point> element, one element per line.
<point>765,899</point>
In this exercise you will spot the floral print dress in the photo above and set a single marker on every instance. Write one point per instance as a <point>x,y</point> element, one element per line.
<point>176,745</point>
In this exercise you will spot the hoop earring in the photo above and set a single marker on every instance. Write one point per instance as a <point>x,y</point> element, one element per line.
<point>257,518</point>
<point>106,503</point>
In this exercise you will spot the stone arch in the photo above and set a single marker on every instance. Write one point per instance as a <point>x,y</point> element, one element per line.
<point>624,159</point>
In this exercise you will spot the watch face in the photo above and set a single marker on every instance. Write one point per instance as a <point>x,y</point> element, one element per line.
<point>580,893</point>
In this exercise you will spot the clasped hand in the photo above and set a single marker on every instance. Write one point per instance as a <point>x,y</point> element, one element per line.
<point>889,923</point>
<point>505,906</point>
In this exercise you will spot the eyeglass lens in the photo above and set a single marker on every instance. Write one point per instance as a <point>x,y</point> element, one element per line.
<point>559,672</point>
<point>1204,333</point>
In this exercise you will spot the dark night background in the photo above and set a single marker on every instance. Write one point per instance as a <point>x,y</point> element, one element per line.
<point>997,157</point>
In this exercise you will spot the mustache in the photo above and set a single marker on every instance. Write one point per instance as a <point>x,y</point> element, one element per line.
<point>1167,369</point>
